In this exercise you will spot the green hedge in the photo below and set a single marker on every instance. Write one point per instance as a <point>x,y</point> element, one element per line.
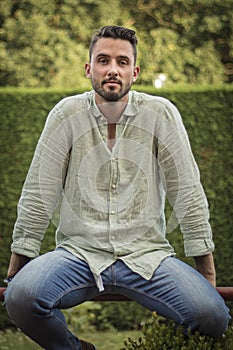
<point>161,334</point>
<point>207,115</point>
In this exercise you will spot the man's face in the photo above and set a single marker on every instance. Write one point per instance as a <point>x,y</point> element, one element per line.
<point>112,69</point>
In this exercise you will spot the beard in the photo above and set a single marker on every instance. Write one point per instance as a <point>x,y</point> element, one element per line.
<point>110,94</point>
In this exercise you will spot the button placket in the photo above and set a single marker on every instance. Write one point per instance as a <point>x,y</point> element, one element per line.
<point>113,200</point>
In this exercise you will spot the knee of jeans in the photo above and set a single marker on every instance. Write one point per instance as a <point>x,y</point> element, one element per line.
<point>13,299</point>
<point>17,301</point>
<point>213,321</point>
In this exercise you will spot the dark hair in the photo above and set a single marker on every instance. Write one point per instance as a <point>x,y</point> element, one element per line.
<point>115,32</point>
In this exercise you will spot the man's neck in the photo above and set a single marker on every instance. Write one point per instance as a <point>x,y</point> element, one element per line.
<point>112,111</point>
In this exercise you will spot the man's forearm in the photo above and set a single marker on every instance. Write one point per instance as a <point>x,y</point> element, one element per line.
<point>16,263</point>
<point>205,265</point>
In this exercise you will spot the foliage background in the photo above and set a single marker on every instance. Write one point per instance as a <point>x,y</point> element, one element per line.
<point>44,43</point>
<point>163,334</point>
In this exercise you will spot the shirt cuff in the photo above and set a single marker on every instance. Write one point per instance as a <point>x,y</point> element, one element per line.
<point>26,246</point>
<point>198,247</point>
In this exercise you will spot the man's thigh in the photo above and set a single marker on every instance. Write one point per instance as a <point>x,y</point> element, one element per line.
<point>176,290</point>
<point>56,278</point>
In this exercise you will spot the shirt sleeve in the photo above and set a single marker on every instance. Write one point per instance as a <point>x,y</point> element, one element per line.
<point>43,185</point>
<point>182,183</point>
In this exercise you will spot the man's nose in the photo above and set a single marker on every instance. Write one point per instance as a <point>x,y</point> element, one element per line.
<point>113,69</point>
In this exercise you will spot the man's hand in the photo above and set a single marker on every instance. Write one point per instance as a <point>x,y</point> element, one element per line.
<point>205,265</point>
<point>16,263</point>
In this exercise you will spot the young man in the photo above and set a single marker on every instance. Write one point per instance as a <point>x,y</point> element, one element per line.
<point>105,161</point>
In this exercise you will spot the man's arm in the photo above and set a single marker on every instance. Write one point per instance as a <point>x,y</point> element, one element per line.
<point>185,192</point>
<point>205,265</point>
<point>17,261</point>
<point>42,189</point>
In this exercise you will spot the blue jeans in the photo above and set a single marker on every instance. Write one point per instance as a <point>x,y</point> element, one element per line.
<point>59,280</point>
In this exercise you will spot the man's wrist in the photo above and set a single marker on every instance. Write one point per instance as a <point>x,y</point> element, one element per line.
<point>17,261</point>
<point>205,265</point>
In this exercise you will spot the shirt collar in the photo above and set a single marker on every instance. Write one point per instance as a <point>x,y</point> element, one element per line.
<point>130,110</point>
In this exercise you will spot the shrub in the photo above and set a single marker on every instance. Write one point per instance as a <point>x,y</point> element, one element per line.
<point>104,316</point>
<point>163,334</point>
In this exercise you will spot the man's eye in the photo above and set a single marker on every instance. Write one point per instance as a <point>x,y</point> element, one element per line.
<point>103,60</point>
<point>123,63</point>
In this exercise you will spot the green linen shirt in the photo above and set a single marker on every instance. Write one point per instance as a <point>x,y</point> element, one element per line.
<point>109,204</point>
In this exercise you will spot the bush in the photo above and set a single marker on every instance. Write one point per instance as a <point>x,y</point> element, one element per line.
<point>104,316</point>
<point>163,334</point>
<point>121,315</point>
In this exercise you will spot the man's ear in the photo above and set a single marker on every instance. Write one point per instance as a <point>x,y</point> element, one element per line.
<point>136,72</point>
<point>88,70</point>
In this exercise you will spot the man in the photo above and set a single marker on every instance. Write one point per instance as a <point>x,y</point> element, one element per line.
<point>105,161</point>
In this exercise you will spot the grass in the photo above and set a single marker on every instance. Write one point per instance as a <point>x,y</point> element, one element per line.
<point>16,340</point>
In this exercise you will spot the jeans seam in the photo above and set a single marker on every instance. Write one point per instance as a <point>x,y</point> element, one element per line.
<point>65,328</point>
<point>166,304</point>
<point>62,295</point>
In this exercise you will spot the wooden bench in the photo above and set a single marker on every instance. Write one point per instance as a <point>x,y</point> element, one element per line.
<point>225,292</point>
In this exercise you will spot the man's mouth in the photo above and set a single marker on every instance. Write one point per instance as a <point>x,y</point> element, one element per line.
<point>112,82</point>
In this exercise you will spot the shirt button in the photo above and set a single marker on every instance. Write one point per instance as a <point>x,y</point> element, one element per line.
<point>112,212</point>
<point>113,186</point>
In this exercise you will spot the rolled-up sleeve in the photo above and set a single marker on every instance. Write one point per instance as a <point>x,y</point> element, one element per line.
<point>43,186</point>
<point>183,186</point>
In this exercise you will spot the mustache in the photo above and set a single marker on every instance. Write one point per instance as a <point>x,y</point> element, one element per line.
<point>113,79</point>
